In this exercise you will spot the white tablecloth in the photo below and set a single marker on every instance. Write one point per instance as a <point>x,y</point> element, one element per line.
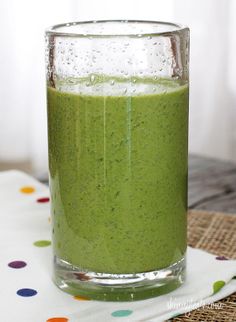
<point>27,293</point>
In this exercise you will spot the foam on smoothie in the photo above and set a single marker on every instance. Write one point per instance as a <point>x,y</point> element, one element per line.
<point>100,85</point>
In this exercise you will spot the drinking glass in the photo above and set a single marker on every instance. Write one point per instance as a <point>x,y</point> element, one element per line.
<point>117,100</point>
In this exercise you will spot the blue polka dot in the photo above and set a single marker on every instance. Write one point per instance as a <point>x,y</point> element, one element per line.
<point>121,313</point>
<point>26,292</point>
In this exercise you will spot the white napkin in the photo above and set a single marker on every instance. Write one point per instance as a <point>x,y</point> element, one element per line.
<point>27,293</point>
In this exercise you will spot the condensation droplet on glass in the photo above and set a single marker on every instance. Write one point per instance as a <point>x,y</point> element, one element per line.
<point>149,37</point>
<point>112,82</point>
<point>134,80</point>
<point>155,43</point>
<point>87,84</point>
<point>92,78</point>
<point>154,89</point>
<point>125,91</point>
<point>139,35</point>
<point>155,77</point>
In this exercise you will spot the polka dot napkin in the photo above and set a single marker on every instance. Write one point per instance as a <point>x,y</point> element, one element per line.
<point>27,293</point>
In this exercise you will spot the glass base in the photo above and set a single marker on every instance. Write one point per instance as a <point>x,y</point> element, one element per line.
<point>117,287</point>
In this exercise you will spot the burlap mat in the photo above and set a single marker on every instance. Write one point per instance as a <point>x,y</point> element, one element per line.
<point>215,233</point>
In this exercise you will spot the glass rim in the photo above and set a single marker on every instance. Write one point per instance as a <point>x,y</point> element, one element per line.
<point>55,29</point>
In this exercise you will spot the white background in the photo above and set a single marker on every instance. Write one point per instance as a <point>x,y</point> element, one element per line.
<point>22,79</point>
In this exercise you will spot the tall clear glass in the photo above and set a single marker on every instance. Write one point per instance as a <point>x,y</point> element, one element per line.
<point>117,95</point>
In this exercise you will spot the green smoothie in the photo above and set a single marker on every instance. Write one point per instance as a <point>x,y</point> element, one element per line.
<point>118,172</point>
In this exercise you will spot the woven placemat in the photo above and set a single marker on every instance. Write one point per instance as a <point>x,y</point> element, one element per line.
<point>215,233</point>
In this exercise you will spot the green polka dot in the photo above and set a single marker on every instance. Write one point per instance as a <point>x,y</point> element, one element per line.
<point>217,286</point>
<point>42,243</point>
<point>175,315</point>
<point>121,313</point>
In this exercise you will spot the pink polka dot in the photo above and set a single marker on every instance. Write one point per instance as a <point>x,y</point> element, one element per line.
<point>42,200</point>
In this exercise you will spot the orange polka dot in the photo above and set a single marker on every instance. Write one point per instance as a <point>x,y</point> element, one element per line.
<point>27,189</point>
<point>81,298</point>
<point>57,320</point>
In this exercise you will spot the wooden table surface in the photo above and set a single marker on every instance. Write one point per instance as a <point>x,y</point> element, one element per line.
<point>212,184</point>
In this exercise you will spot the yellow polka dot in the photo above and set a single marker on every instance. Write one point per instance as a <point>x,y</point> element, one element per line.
<point>57,320</point>
<point>81,298</point>
<point>27,189</point>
